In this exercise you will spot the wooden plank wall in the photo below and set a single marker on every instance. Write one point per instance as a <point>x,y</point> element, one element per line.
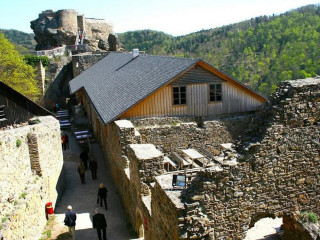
<point>14,113</point>
<point>18,108</point>
<point>197,75</point>
<point>159,104</point>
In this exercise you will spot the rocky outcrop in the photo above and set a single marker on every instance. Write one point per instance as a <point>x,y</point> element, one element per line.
<point>66,27</point>
<point>58,75</point>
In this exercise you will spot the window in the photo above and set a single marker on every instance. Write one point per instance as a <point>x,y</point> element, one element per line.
<point>179,95</point>
<point>215,92</point>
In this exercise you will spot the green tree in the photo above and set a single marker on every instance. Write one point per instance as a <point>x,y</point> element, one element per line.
<point>260,52</point>
<point>15,72</point>
<point>33,60</point>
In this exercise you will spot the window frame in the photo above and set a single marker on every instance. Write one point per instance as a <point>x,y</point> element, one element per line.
<point>215,94</point>
<point>182,100</point>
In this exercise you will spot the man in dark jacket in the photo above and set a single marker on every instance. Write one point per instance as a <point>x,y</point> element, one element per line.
<point>93,165</point>
<point>70,221</point>
<point>84,158</point>
<point>99,222</point>
<point>102,195</point>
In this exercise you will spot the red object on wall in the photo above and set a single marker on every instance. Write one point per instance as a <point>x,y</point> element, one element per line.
<point>49,208</point>
<point>146,227</point>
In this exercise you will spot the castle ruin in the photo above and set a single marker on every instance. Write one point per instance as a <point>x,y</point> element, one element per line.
<point>273,173</point>
<point>68,27</point>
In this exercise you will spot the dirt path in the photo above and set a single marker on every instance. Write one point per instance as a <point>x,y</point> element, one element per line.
<point>83,197</point>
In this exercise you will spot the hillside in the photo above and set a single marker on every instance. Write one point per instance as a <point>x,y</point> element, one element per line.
<point>259,52</point>
<point>22,41</point>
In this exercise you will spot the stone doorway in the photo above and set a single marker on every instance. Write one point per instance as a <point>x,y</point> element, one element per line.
<point>264,226</point>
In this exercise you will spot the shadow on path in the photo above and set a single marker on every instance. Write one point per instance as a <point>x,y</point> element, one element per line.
<point>83,197</point>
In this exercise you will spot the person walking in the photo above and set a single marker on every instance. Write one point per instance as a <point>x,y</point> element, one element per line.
<point>102,195</point>
<point>93,165</point>
<point>63,141</point>
<point>99,223</point>
<point>70,221</point>
<point>82,170</point>
<point>84,158</point>
<point>67,140</point>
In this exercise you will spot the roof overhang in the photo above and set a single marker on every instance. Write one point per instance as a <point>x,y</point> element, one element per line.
<point>226,77</point>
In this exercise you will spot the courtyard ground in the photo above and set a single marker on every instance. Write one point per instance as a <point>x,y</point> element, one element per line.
<point>83,199</point>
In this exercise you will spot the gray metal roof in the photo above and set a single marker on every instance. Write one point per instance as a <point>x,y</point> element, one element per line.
<point>118,82</point>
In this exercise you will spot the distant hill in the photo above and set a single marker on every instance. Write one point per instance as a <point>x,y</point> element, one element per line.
<point>259,52</point>
<point>22,41</point>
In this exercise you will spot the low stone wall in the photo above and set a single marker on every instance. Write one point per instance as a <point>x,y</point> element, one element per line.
<point>28,177</point>
<point>171,134</point>
<point>166,213</point>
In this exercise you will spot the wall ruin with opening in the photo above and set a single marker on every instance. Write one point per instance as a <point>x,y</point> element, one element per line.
<point>276,171</point>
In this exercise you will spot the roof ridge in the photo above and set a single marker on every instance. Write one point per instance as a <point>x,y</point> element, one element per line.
<point>175,57</point>
<point>163,56</point>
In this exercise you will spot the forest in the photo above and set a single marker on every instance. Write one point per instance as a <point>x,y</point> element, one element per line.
<point>23,42</point>
<point>260,52</point>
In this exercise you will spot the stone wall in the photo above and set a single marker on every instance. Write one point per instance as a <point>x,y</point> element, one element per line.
<point>183,133</point>
<point>67,20</point>
<point>166,209</point>
<point>279,175</point>
<point>31,162</point>
<point>126,167</point>
<point>82,62</point>
<point>276,175</point>
<point>97,28</point>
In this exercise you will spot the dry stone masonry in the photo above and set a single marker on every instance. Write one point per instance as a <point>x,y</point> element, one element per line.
<point>279,175</point>
<point>261,165</point>
<point>31,162</point>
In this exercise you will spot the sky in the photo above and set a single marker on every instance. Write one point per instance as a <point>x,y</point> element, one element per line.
<point>175,17</point>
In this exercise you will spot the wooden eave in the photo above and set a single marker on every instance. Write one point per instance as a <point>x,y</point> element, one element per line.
<point>231,80</point>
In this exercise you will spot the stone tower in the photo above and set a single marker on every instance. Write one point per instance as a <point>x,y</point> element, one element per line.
<point>56,29</point>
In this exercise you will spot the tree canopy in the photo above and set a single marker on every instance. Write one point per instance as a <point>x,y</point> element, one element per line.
<point>260,52</point>
<point>15,72</point>
<point>33,60</point>
<point>23,42</point>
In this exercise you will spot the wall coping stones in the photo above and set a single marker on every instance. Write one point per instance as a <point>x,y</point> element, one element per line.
<point>124,124</point>
<point>174,194</point>
<point>145,151</point>
<point>127,172</point>
<point>147,202</point>
<point>303,82</point>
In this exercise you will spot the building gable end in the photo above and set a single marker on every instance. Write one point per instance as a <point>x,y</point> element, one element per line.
<point>197,75</point>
